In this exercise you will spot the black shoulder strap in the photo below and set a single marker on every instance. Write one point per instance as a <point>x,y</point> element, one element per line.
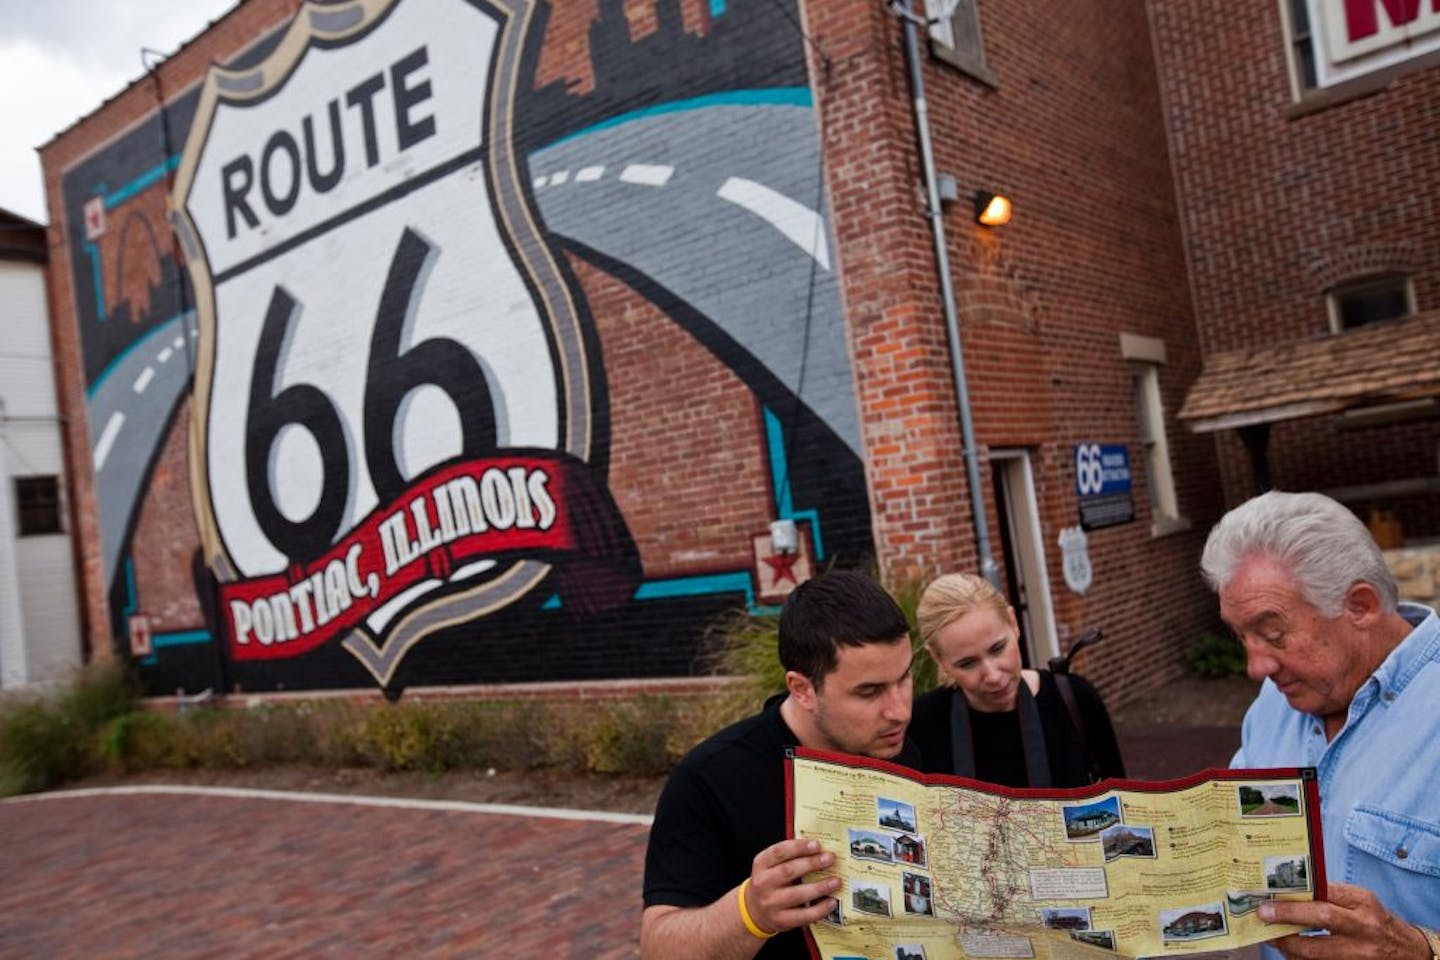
<point>1067,694</point>
<point>1032,737</point>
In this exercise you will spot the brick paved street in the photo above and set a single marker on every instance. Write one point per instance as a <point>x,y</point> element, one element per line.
<point>207,876</point>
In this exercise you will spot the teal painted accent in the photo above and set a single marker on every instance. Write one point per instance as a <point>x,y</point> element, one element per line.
<point>93,252</point>
<point>735,582</point>
<point>131,604</point>
<point>780,480</point>
<point>180,638</point>
<point>145,179</point>
<point>109,367</point>
<point>130,598</point>
<point>717,8</point>
<point>814,517</point>
<point>779,474</point>
<point>766,96</point>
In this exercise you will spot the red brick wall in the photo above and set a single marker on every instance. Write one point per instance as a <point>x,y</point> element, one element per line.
<point>664,386</point>
<point>1280,204</point>
<point>1072,132</point>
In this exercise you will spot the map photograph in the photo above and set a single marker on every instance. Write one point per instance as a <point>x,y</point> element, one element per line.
<point>866,896</point>
<point>1269,799</point>
<point>1065,918</point>
<point>910,850</point>
<point>1193,923</point>
<point>1240,902</point>
<point>1125,840</point>
<point>870,845</point>
<point>917,894</point>
<point>1287,873</point>
<point>896,815</point>
<point>1084,822</point>
<point>1096,938</point>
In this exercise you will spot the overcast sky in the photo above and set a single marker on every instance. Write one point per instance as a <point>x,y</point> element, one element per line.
<point>60,59</point>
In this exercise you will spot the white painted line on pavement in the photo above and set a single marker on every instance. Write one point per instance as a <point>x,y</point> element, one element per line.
<point>649,175</point>
<point>165,354</point>
<point>404,803</point>
<point>107,439</point>
<point>539,182</point>
<point>559,177</point>
<point>143,381</point>
<point>588,174</point>
<point>801,226</point>
<point>178,343</point>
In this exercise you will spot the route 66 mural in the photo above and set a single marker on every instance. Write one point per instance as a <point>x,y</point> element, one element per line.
<point>399,431</point>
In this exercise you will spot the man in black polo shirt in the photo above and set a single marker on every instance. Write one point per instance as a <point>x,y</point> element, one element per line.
<point>720,879</point>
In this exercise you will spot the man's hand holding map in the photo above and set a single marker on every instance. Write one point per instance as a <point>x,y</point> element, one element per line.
<point>940,868</point>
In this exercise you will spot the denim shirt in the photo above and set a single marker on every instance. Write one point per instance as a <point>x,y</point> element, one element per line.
<point>1380,776</point>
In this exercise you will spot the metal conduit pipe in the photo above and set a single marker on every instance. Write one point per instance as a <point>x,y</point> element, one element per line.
<point>911,21</point>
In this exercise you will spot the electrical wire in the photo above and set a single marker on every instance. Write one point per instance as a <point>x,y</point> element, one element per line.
<point>787,438</point>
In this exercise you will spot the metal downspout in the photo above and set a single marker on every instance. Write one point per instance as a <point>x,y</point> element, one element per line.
<point>933,213</point>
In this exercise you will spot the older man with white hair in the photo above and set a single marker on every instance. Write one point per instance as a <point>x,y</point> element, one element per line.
<point>1352,688</point>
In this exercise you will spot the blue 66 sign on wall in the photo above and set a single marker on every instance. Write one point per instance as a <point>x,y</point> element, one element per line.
<point>1102,485</point>
<point>393,428</point>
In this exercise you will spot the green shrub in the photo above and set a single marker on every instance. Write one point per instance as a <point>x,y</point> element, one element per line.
<point>632,737</point>
<point>1215,656</point>
<point>40,746</point>
<point>99,694</point>
<point>743,644</point>
<point>49,739</point>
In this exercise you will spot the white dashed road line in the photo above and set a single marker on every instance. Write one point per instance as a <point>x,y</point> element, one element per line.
<point>801,226</point>
<point>107,439</point>
<point>646,174</point>
<point>143,381</point>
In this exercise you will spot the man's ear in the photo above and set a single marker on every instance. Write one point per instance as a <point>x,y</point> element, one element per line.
<point>1363,604</point>
<point>801,690</point>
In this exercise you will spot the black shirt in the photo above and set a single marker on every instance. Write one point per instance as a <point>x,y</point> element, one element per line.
<point>724,803</point>
<point>999,752</point>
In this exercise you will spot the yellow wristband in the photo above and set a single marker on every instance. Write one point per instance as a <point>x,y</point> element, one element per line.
<point>751,925</point>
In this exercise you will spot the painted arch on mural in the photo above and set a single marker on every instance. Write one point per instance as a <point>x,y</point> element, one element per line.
<point>480,361</point>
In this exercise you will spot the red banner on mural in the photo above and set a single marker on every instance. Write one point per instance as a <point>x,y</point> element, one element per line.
<point>540,505</point>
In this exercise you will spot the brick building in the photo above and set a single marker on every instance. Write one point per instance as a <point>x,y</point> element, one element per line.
<point>1302,135</point>
<point>435,342</point>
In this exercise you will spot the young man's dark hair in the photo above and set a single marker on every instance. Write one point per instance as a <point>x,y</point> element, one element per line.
<point>842,607</point>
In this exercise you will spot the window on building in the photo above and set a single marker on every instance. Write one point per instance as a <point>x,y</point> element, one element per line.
<point>955,36</point>
<point>1302,45</point>
<point>1146,356</point>
<point>1370,301</point>
<point>37,500</point>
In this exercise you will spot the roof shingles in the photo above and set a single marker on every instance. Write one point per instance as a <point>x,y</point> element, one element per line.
<point>1378,363</point>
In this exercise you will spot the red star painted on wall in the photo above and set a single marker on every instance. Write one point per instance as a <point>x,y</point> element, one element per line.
<point>782,567</point>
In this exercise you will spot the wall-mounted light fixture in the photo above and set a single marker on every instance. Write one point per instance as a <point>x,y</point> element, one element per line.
<point>991,209</point>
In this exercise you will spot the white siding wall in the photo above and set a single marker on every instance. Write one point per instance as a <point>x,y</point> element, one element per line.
<point>39,615</point>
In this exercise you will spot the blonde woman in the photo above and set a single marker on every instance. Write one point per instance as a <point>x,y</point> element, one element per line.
<point>993,720</point>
